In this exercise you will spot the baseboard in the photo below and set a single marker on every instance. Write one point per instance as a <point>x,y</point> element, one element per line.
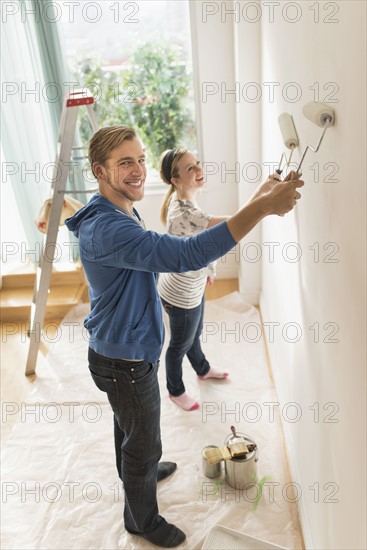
<point>302,514</point>
<point>292,464</point>
<point>251,295</point>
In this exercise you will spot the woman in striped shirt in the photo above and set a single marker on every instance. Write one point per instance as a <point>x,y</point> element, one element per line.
<point>182,294</point>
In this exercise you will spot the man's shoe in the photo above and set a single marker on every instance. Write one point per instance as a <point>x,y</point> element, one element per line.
<point>165,534</point>
<point>165,469</point>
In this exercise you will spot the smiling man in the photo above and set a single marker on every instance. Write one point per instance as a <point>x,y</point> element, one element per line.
<point>121,261</point>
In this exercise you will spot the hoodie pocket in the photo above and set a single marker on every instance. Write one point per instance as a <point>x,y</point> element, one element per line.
<point>136,331</point>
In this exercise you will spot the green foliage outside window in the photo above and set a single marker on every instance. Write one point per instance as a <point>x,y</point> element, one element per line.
<point>151,94</point>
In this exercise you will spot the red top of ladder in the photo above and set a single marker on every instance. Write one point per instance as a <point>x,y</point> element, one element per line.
<point>80,97</point>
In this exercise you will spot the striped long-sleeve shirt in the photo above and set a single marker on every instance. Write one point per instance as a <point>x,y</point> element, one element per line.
<point>185,290</point>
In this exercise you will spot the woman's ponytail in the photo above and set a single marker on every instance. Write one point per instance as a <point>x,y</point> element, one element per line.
<point>168,170</point>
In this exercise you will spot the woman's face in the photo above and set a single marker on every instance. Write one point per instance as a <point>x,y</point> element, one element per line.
<point>190,172</point>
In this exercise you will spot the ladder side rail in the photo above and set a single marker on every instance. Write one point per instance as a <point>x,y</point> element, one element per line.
<point>44,271</point>
<point>62,126</point>
<point>93,118</point>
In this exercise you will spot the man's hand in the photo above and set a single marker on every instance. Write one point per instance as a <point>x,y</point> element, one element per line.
<point>272,197</point>
<point>283,195</point>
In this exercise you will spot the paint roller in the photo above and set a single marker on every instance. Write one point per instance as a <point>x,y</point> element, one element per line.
<point>322,115</point>
<point>290,138</point>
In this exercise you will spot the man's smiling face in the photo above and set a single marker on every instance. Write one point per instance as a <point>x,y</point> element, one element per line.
<point>122,178</point>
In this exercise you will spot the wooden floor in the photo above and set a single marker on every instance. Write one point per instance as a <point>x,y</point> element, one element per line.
<point>220,288</point>
<point>68,287</point>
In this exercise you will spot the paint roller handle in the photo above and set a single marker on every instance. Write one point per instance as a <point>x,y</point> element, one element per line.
<point>292,176</point>
<point>280,171</point>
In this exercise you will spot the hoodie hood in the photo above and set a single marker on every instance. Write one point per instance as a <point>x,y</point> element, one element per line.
<point>96,205</point>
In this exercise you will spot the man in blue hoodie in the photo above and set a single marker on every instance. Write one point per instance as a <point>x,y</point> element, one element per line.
<point>121,260</point>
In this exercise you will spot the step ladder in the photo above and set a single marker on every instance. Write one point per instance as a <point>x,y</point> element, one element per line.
<point>72,103</point>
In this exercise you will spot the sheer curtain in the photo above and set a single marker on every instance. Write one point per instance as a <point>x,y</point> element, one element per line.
<point>34,75</point>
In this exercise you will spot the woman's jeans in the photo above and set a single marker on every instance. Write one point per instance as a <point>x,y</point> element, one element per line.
<point>186,326</point>
<point>133,392</point>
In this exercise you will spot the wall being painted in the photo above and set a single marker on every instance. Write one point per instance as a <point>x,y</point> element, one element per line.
<point>322,294</point>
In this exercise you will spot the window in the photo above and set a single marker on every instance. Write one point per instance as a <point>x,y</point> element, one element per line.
<point>135,57</point>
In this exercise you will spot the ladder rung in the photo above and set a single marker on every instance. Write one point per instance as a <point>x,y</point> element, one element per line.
<point>79,101</point>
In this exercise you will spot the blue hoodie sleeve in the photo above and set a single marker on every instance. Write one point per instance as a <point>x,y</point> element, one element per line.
<point>123,243</point>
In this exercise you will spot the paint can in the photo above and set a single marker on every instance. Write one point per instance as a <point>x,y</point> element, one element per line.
<point>210,470</point>
<point>241,472</point>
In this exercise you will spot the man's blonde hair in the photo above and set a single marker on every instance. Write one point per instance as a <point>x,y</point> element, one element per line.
<point>105,140</point>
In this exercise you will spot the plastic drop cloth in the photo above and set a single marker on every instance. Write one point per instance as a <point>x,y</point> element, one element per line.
<point>59,481</point>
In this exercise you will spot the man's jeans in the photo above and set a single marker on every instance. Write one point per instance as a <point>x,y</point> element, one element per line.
<point>186,326</point>
<point>133,392</point>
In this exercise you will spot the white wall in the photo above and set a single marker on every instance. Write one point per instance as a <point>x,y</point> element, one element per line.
<point>308,291</point>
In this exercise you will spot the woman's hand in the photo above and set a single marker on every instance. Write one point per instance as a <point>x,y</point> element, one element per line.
<point>209,280</point>
<point>267,186</point>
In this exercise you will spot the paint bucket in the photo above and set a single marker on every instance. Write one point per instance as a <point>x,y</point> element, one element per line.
<point>241,472</point>
<point>210,470</point>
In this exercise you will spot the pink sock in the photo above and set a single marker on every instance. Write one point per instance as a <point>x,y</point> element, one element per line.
<point>214,373</point>
<point>184,401</point>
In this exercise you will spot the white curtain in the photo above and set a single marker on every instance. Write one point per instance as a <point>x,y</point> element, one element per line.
<point>33,73</point>
<point>26,129</point>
